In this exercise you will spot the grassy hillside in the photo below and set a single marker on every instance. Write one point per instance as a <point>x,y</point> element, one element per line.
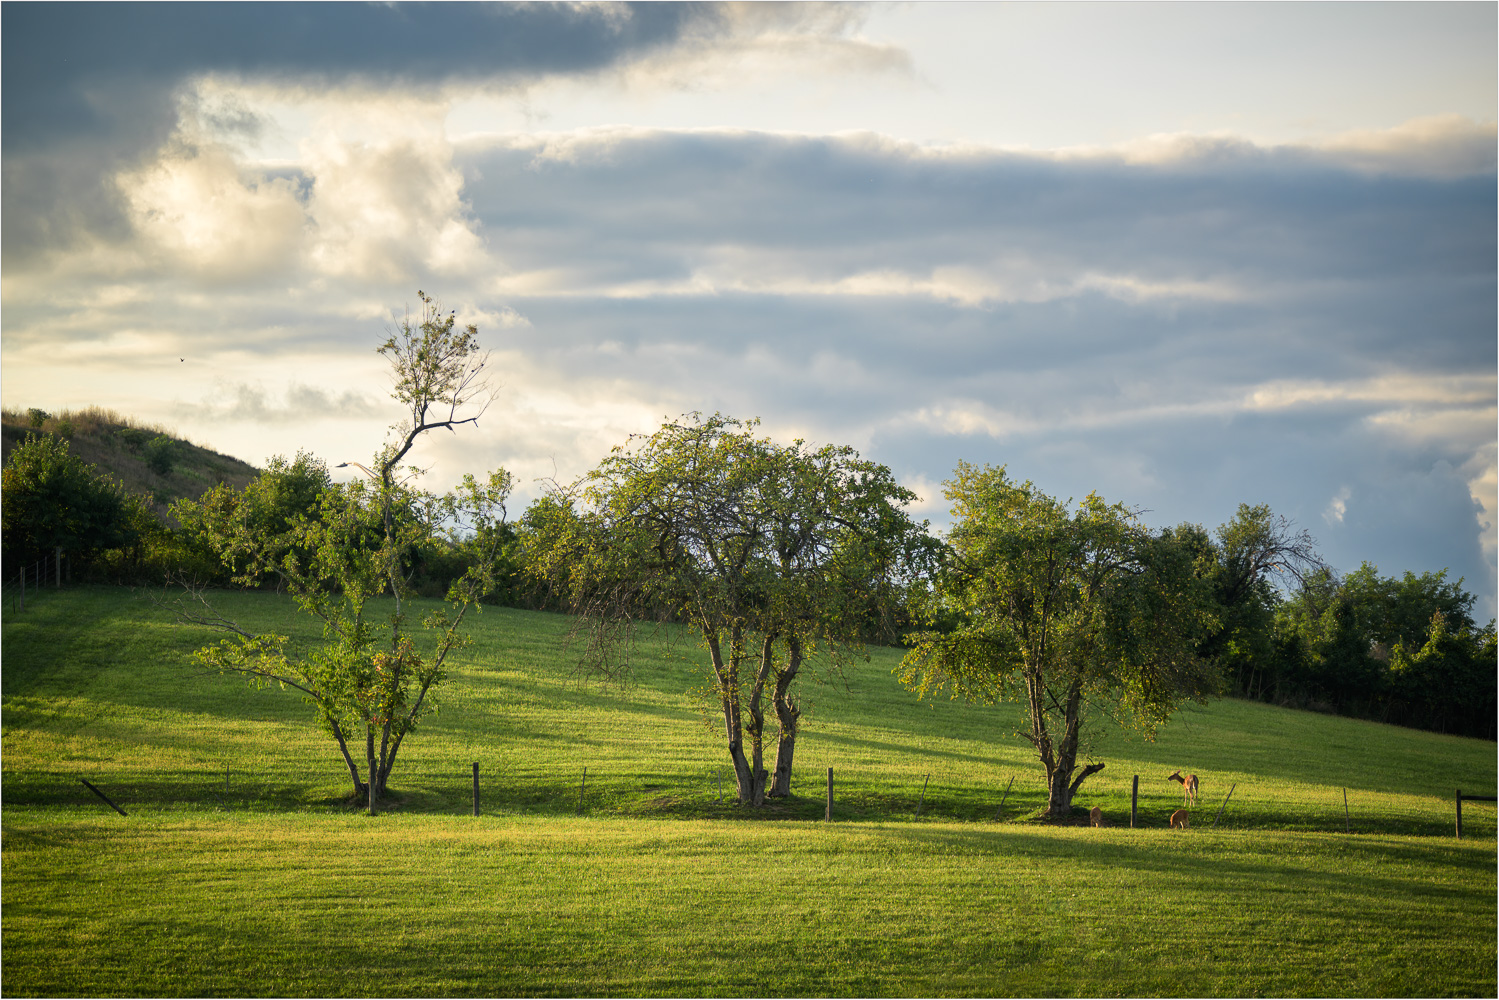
<point>119,448</point>
<point>240,869</point>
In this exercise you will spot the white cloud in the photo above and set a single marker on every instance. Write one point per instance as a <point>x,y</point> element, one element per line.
<point>1337,506</point>
<point>199,210</point>
<point>1447,145</point>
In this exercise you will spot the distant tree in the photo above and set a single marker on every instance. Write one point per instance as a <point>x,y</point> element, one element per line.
<point>1060,609</point>
<point>770,553</point>
<point>259,527</point>
<point>1246,564</point>
<point>338,549</point>
<point>1402,650</point>
<point>53,500</point>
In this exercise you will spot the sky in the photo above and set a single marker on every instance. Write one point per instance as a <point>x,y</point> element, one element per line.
<point>1187,256</point>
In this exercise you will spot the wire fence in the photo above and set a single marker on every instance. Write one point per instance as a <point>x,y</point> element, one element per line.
<point>828,794</point>
<point>48,571</point>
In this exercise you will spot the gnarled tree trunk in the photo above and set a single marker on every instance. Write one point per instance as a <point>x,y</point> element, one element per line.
<point>787,714</point>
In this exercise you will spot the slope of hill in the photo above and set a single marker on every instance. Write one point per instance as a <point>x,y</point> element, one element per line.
<point>241,869</point>
<point>146,459</point>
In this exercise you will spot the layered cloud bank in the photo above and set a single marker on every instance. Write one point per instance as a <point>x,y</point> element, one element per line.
<point>1180,322</point>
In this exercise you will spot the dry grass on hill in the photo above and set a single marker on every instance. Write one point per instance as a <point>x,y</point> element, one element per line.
<point>121,447</point>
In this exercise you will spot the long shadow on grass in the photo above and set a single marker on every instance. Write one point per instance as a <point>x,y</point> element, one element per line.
<point>1169,862</point>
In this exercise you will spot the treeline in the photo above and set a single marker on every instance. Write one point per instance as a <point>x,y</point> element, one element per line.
<point>1289,631</point>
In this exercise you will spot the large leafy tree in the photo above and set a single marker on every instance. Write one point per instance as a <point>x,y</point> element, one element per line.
<point>54,501</point>
<point>771,553</point>
<point>1247,564</point>
<point>1403,650</point>
<point>1060,608</point>
<point>344,553</point>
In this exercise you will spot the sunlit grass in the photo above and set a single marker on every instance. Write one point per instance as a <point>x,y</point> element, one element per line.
<point>432,905</point>
<point>265,881</point>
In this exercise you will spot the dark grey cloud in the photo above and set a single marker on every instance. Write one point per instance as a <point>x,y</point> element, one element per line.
<point>73,69</point>
<point>1218,276</point>
<point>88,88</point>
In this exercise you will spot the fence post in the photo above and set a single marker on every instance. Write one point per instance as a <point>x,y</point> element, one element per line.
<point>1134,800</point>
<point>829,817</point>
<point>1225,801</point>
<point>1003,797</point>
<point>922,800</point>
<point>476,788</point>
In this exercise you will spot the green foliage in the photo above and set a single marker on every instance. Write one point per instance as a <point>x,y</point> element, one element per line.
<point>337,547</point>
<point>771,553</point>
<point>160,454</point>
<point>52,500</point>
<point>1405,651</point>
<point>253,530</point>
<point>1241,566</point>
<point>1060,608</point>
<point>37,417</point>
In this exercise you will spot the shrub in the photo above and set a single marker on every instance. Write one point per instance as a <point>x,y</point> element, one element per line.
<point>161,454</point>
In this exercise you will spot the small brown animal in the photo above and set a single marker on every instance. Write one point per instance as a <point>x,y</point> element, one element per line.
<point>1095,815</point>
<point>1189,787</point>
<point>1179,819</point>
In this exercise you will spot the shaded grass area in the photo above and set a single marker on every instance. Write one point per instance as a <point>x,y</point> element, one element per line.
<point>98,685</point>
<point>423,905</point>
<point>242,869</point>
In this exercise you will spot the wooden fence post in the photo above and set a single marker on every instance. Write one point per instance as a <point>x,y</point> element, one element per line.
<point>1225,801</point>
<point>829,817</point>
<point>1134,800</point>
<point>1003,797</point>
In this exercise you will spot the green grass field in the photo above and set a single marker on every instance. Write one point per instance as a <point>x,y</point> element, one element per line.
<point>241,870</point>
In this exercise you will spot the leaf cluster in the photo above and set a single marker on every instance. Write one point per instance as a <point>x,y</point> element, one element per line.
<point>1049,603</point>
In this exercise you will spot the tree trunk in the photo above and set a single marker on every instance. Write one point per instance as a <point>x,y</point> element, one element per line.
<point>728,696</point>
<point>1062,777</point>
<point>787,714</point>
<point>756,725</point>
<point>361,790</point>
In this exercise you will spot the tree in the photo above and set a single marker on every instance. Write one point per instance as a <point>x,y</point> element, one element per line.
<point>54,501</point>
<point>1252,554</point>
<point>1060,609</point>
<point>1402,650</point>
<point>258,527</point>
<point>340,549</point>
<point>770,553</point>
